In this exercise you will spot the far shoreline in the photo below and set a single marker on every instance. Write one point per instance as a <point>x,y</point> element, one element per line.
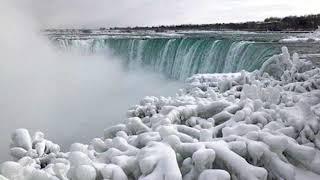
<point>289,24</point>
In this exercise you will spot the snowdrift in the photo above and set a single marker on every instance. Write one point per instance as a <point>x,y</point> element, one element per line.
<point>245,126</point>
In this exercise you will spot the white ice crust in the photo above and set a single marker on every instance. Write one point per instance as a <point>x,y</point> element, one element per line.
<point>246,126</point>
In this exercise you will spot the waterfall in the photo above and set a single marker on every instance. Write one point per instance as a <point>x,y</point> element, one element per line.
<point>179,58</point>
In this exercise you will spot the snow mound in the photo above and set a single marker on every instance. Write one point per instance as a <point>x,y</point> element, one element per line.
<point>246,126</point>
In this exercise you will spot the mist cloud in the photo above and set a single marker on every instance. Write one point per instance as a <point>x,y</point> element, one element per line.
<point>67,96</point>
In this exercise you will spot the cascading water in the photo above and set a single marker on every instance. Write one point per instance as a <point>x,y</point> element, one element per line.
<point>179,58</point>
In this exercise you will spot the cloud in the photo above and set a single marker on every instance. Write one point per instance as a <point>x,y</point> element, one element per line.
<point>108,13</point>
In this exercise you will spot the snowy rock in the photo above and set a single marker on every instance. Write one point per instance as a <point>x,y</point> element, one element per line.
<point>113,172</point>
<point>18,152</point>
<point>85,172</point>
<point>11,170</point>
<point>214,175</point>
<point>158,161</point>
<point>78,158</point>
<point>21,138</point>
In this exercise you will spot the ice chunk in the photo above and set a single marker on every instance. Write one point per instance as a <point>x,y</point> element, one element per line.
<point>214,175</point>
<point>158,161</point>
<point>21,138</point>
<point>85,172</point>
<point>113,172</point>
<point>11,170</point>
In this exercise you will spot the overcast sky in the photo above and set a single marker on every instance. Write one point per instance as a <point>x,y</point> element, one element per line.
<point>108,13</point>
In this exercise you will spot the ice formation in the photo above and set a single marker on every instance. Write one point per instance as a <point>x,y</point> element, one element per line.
<point>309,37</point>
<point>246,126</point>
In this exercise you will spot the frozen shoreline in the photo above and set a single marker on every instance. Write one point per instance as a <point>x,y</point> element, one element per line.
<point>306,37</point>
<point>258,125</point>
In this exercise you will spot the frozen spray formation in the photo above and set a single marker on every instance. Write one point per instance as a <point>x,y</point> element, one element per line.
<point>179,58</point>
<point>246,126</point>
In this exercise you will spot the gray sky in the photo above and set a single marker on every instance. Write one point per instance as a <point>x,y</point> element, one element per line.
<point>97,13</point>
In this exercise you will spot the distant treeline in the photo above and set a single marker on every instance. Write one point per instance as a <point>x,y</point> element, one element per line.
<point>290,23</point>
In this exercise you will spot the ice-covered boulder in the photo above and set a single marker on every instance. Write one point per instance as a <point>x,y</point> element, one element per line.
<point>214,175</point>
<point>11,170</point>
<point>157,161</point>
<point>21,138</point>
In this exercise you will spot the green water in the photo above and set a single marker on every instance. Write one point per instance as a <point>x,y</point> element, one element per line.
<point>179,58</point>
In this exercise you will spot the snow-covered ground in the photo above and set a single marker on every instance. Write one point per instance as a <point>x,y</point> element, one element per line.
<point>247,126</point>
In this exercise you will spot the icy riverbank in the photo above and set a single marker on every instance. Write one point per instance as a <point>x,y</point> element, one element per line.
<point>259,125</point>
<point>309,37</point>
